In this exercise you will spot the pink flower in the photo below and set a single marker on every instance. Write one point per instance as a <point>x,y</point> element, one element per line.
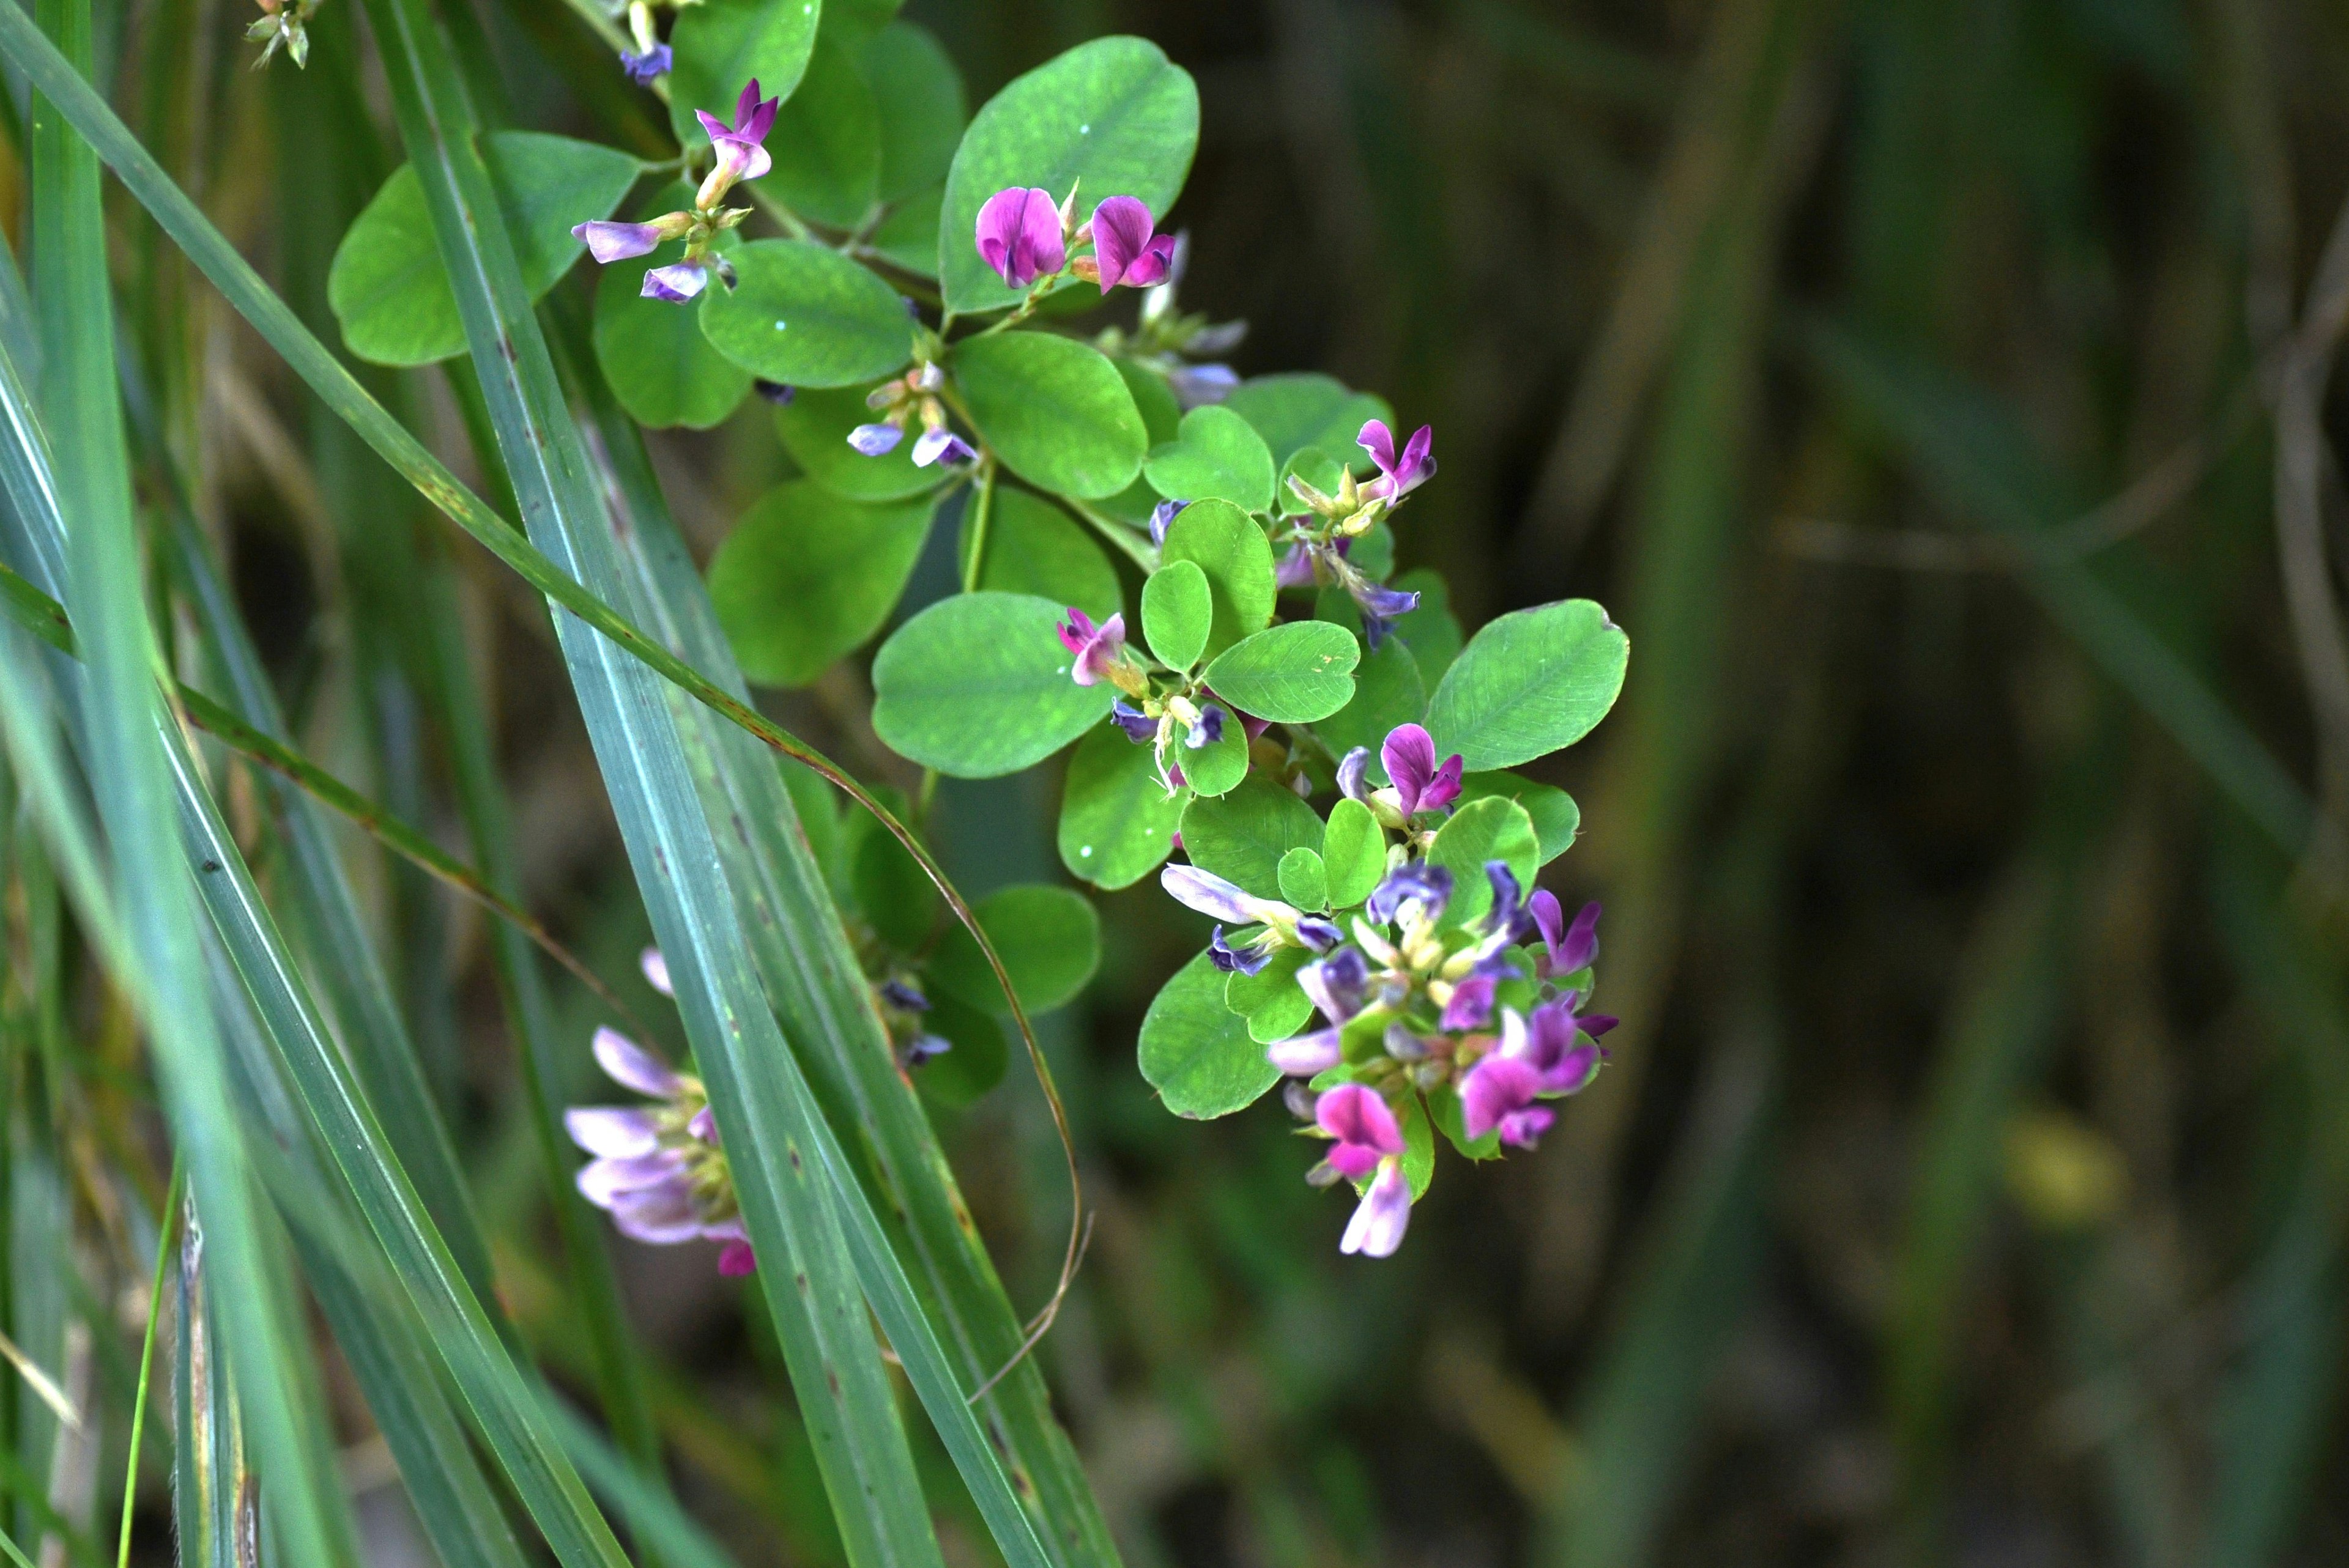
<point>740,155</point>
<point>609,241</point>
<point>1397,477</point>
<point>1097,648</point>
<point>1376,1230</point>
<point>1125,251</point>
<point>1420,784</point>
<point>1365,1129</point>
<point>1020,235</point>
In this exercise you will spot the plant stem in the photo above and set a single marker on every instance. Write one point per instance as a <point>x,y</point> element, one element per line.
<point>147,1355</point>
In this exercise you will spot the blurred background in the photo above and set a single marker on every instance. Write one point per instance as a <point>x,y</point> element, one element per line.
<point>1940,393</point>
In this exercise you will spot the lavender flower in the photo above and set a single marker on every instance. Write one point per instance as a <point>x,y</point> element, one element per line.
<point>677,282</point>
<point>775,392</point>
<point>656,969</point>
<point>1162,516</point>
<point>658,1169</point>
<point>1380,605</point>
<point>937,447</point>
<point>1420,784</point>
<point>1338,985</point>
<point>1566,948</point>
<point>1430,887</point>
<point>742,154</point>
<point>1507,919</point>
<point>1097,647</point>
<point>1196,385</point>
<point>1211,895</point>
<point>648,67</point>
<point>1020,235</point>
<point>1378,1222</point>
<point>1247,958</point>
<point>1303,1055</point>
<point>1139,726</point>
<point>1295,570</point>
<point>1364,1129</point>
<point>1397,476</point>
<point>609,241</point>
<point>1350,770</point>
<point>902,997</point>
<point>1207,731</point>
<point>1125,249</point>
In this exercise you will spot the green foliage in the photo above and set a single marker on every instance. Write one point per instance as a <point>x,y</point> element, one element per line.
<point>1295,411</point>
<point>815,426</point>
<point>1113,117</point>
<point>805,576</point>
<point>1177,610</point>
<point>652,351</point>
<point>1220,539</point>
<point>1528,684</point>
<point>1117,821</point>
<point>1388,691</point>
<point>1196,1052</point>
<point>978,685</point>
<point>1050,941</point>
<point>804,315</point>
<point>1033,548</point>
<point>918,96</point>
<point>1243,836</point>
<point>1492,828</point>
<point>1056,412</point>
<point>1353,855</point>
<point>388,286</point>
<point>1304,879</point>
<point>1291,673</point>
<point>1218,456</point>
<point>826,141</point>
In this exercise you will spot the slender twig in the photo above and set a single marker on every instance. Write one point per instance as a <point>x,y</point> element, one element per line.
<point>1130,544</point>
<point>147,1355</point>
<point>982,510</point>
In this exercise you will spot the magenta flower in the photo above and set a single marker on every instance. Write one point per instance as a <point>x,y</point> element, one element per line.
<point>1420,784</point>
<point>937,447</point>
<point>657,1170</point>
<point>1566,949</point>
<point>1471,1007</point>
<point>1097,648</point>
<point>1397,476</point>
<point>1376,1230</point>
<point>1020,235</point>
<point>740,155</point>
<point>677,282</point>
<point>1364,1128</point>
<point>1499,1092</point>
<point>1125,249</point>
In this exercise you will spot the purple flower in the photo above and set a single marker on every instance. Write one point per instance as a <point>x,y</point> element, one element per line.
<point>1507,914</point>
<point>736,1258</point>
<point>677,282</point>
<point>1318,934</point>
<point>875,440</point>
<point>1295,570</point>
<point>656,968</point>
<point>925,1047</point>
<point>1420,784</point>
<point>1247,958</point>
<point>1139,726</point>
<point>1303,1055</point>
<point>645,68</point>
<point>1567,948</point>
<point>1496,1088</point>
<point>613,1131</point>
<point>1380,606</point>
<point>1351,769</point>
<point>609,241</point>
<point>1161,516</point>
<point>1196,385</point>
<point>1211,895</point>
<point>1376,1230</point>
<point>740,155</point>
<point>1416,882</point>
<point>1471,1007</point>
<point>1338,985</point>
<point>1020,235</point>
<point>1125,249</point>
<point>657,1170</point>
<point>631,1066</point>
<point>1397,476</point>
<point>1560,1048</point>
<point>938,446</point>
<point>1208,731</point>
<point>775,392</point>
<point>1097,648</point>
<point>1364,1129</point>
<point>902,997</point>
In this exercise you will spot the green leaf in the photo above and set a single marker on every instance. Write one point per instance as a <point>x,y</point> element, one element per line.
<point>1304,879</point>
<point>1492,828</point>
<point>1196,1052</point>
<point>978,685</point>
<point>977,1061</point>
<point>887,885</point>
<point>922,108</point>
<point>1303,409</point>
<point>1161,414</point>
<point>826,141</point>
<point>1225,543</point>
<point>1242,836</point>
<point>1218,455</point>
<point>1527,684</point>
<point>1353,853</point>
<point>908,238</point>
<point>1444,1110</point>
<point>1117,821</point>
<point>652,351</point>
<point>805,316</point>
<point>1387,692</point>
<point>1217,768</point>
<point>1176,612</point>
<point>815,426</point>
<point>721,44</point>
<point>1033,547</point>
<point>1432,631</point>
<point>1113,117</point>
<point>1271,1001</point>
<point>1556,817</point>
<point>805,576</point>
<point>387,284</point>
<point>1293,674</point>
<point>1048,937</point>
<point>1053,409</point>
<point>1316,467</point>
<point>1418,1145</point>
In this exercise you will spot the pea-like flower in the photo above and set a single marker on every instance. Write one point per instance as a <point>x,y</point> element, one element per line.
<point>1021,235</point>
<point>650,60</point>
<point>1565,948</point>
<point>658,1169</point>
<point>1398,475</point>
<point>1362,1126</point>
<point>741,144</point>
<point>1097,648</point>
<point>1554,1053</point>
<point>1384,1214</point>
<point>877,440</point>
<point>941,446</point>
<point>1421,783</point>
<point>1126,248</point>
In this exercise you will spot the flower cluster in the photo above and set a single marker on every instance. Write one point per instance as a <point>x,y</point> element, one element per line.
<point>741,155</point>
<point>902,401</point>
<point>1026,236</point>
<point>1319,540</point>
<point>1163,710</point>
<point>1466,1026</point>
<point>658,1169</point>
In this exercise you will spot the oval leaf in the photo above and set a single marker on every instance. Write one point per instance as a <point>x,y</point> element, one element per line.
<point>1117,821</point>
<point>1218,455</point>
<point>826,141</point>
<point>1176,611</point>
<point>1303,409</point>
<point>805,316</point>
<point>1196,1052</point>
<point>1242,837</point>
<point>978,685</point>
<point>1033,547</point>
<point>1048,937</point>
<point>922,108</point>
<point>1493,829</point>
<point>1353,855</point>
<point>1053,409</point>
<point>1293,674</point>
<point>1387,692</point>
<point>1304,881</point>
<point>806,576</point>
<point>1216,769</point>
<point>1527,684</point>
<point>1225,543</point>
<point>718,45</point>
<point>1113,114</point>
<point>815,426</point>
<point>387,286</point>
<point>654,358</point>
<point>1555,817</point>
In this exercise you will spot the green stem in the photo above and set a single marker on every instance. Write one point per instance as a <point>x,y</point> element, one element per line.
<point>1140,552</point>
<point>147,1356</point>
<point>982,508</point>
